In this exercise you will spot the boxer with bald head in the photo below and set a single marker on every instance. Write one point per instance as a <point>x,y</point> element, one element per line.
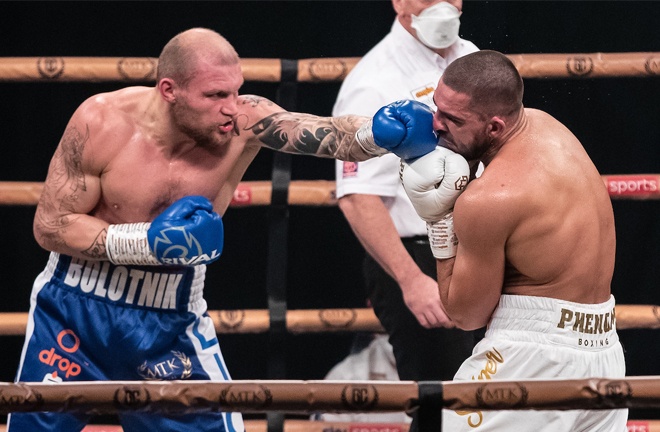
<point>527,249</point>
<point>131,212</point>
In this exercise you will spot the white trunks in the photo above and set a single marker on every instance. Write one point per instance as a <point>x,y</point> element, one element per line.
<point>544,338</point>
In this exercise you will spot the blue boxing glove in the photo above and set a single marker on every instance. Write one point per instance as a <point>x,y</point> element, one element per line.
<point>404,128</point>
<point>188,232</point>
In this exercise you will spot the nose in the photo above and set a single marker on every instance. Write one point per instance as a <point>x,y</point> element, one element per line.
<point>438,124</point>
<point>230,106</point>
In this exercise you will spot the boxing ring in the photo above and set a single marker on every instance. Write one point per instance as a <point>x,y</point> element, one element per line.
<point>278,396</point>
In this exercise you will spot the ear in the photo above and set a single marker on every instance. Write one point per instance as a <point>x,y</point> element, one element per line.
<point>496,127</point>
<point>396,4</point>
<point>166,87</point>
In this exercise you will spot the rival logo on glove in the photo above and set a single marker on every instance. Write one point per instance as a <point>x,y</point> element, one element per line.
<point>180,248</point>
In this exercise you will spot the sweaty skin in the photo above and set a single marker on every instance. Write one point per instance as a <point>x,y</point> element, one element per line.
<point>525,227</point>
<point>123,158</point>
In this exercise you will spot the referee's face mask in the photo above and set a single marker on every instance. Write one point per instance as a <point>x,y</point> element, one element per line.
<point>437,26</point>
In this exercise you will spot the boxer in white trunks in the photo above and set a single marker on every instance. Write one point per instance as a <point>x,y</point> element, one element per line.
<point>527,249</point>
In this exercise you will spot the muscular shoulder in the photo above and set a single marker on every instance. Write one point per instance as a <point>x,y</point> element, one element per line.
<point>110,113</point>
<point>488,202</point>
<point>103,123</point>
<point>114,104</point>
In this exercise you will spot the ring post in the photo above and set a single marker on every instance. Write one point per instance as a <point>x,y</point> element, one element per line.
<point>277,244</point>
<point>429,412</point>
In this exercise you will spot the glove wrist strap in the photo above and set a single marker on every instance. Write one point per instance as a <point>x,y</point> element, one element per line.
<point>365,139</point>
<point>128,244</point>
<point>442,238</point>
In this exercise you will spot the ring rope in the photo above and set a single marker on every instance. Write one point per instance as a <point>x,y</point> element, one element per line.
<point>96,69</point>
<point>332,320</point>
<point>325,426</point>
<point>322,192</point>
<point>295,396</point>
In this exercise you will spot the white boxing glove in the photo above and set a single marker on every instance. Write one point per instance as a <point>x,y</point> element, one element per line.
<point>434,181</point>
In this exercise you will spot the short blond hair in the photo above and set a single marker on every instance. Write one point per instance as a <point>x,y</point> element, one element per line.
<point>179,58</point>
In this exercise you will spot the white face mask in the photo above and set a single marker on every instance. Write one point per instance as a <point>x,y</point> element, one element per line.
<point>437,25</point>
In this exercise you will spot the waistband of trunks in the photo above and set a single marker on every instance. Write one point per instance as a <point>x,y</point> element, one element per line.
<point>174,288</point>
<point>554,321</point>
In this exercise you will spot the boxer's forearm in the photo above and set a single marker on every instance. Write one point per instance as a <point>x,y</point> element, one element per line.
<point>77,235</point>
<point>298,133</point>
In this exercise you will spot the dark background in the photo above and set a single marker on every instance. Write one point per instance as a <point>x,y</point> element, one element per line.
<point>615,118</point>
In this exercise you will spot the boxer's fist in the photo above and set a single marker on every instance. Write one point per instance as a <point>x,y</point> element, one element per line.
<point>188,232</point>
<point>404,128</point>
<point>434,182</point>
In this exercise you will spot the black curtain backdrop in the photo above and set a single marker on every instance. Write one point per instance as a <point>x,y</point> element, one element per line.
<point>615,118</point>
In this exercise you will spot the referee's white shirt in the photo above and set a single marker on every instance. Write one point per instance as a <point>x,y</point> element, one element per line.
<point>398,67</point>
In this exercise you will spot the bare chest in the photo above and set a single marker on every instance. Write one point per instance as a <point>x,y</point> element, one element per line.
<point>138,187</point>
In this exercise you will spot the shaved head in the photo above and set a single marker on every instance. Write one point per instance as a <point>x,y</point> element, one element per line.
<point>185,51</point>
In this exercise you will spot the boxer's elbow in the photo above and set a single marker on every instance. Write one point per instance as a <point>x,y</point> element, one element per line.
<point>468,324</point>
<point>44,231</point>
<point>42,237</point>
<point>465,318</point>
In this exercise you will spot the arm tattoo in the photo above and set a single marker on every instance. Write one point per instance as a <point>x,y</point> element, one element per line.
<point>60,193</point>
<point>308,134</point>
<point>253,100</point>
<point>67,167</point>
<point>97,249</point>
